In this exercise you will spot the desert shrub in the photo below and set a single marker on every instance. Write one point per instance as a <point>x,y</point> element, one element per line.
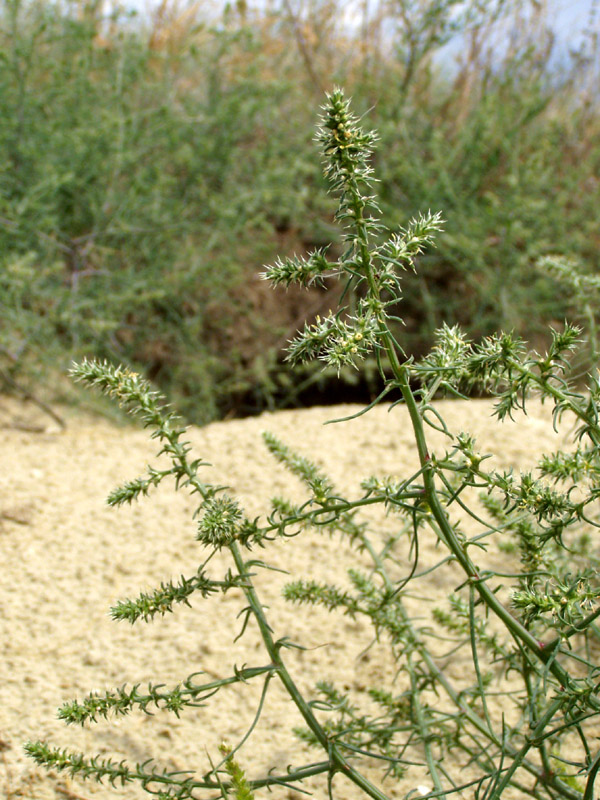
<point>541,737</point>
<point>131,184</point>
<point>150,167</point>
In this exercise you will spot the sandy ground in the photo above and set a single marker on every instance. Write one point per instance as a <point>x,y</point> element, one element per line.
<point>67,557</point>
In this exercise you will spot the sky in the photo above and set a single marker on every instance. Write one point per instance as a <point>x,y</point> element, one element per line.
<point>569,18</point>
<point>571,14</point>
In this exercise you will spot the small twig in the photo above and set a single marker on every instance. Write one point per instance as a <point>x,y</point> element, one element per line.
<point>303,47</point>
<point>27,395</point>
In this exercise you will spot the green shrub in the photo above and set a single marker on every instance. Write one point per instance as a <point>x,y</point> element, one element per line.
<point>542,636</point>
<point>148,173</point>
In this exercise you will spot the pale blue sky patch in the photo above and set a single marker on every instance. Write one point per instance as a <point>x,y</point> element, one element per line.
<point>571,21</point>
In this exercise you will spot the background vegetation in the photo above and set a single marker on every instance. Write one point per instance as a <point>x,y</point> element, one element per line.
<point>150,166</point>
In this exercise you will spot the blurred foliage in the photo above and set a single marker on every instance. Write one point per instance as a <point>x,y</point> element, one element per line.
<point>150,165</point>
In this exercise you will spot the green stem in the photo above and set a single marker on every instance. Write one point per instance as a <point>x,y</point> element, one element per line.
<point>337,761</point>
<point>447,533</point>
<point>475,657</point>
<point>589,786</point>
<point>534,740</point>
<point>296,775</point>
<point>579,628</point>
<point>439,678</point>
<point>423,731</point>
<point>449,537</point>
<point>557,394</point>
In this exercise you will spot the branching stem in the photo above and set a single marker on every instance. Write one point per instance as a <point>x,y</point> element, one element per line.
<point>337,761</point>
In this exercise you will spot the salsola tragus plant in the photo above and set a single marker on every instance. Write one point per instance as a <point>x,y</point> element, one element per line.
<point>544,634</point>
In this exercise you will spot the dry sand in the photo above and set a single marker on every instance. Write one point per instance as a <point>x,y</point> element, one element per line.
<point>67,557</point>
